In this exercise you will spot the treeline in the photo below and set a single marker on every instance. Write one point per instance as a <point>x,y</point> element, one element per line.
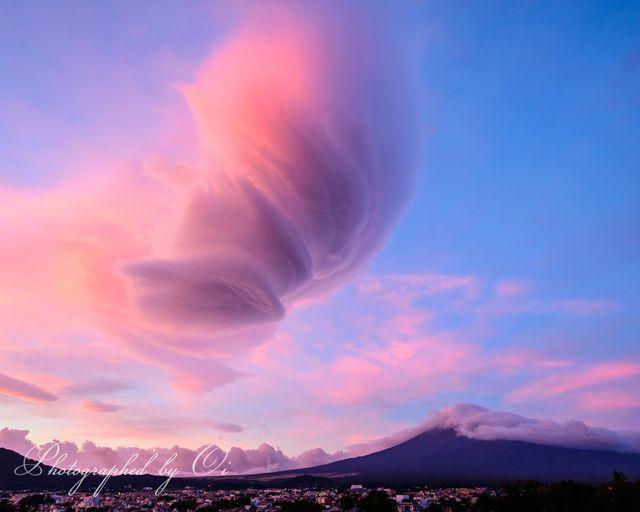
<point>618,495</point>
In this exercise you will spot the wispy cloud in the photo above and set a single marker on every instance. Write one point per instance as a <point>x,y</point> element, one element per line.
<point>574,379</point>
<point>22,390</point>
<point>182,265</point>
<point>98,386</point>
<point>100,407</point>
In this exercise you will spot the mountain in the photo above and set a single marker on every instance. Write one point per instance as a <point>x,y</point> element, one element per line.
<point>442,457</point>
<point>438,457</point>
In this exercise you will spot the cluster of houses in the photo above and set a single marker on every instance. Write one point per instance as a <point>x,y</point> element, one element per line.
<point>249,500</point>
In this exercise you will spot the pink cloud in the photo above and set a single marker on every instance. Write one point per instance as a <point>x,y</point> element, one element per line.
<point>22,390</point>
<point>512,288</point>
<point>397,371</point>
<point>573,379</point>
<point>377,354</point>
<point>15,439</point>
<point>404,289</point>
<point>606,400</point>
<point>253,229</point>
<point>63,246</point>
<point>96,387</point>
<point>229,428</point>
<point>100,407</point>
<point>291,188</point>
<point>148,425</point>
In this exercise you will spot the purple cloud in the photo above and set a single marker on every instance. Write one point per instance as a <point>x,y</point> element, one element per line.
<point>96,406</point>
<point>308,152</point>
<point>23,390</point>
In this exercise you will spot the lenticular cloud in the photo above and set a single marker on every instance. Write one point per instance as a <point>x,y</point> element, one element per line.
<point>308,144</point>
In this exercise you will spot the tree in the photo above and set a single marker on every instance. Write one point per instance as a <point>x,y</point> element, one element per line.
<point>348,501</point>
<point>34,501</point>
<point>618,495</point>
<point>377,501</point>
<point>619,477</point>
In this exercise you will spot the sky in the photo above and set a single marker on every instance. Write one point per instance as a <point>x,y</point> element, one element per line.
<point>312,224</point>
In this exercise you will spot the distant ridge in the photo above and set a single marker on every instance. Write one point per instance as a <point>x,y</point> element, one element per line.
<point>10,460</point>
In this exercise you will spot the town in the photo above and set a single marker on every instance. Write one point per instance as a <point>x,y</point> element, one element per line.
<point>350,498</point>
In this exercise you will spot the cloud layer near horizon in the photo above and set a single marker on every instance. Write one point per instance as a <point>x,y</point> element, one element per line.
<point>467,420</point>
